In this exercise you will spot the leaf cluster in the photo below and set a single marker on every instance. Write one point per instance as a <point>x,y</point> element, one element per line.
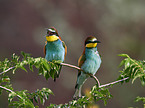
<point>47,69</point>
<point>23,99</point>
<point>26,99</point>
<point>96,94</point>
<point>101,94</point>
<point>133,69</point>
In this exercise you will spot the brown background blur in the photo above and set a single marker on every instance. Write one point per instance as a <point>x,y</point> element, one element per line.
<point>118,24</point>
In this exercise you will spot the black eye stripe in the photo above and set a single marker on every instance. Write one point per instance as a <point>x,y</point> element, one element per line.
<point>92,42</point>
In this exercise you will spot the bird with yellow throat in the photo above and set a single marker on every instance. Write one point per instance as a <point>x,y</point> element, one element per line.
<point>89,62</point>
<point>55,48</point>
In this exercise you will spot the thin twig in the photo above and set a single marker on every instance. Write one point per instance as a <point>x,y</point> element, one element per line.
<point>113,82</point>
<point>10,91</point>
<point>7,70</point>
<point>96,79</point>
<point>72,66</point>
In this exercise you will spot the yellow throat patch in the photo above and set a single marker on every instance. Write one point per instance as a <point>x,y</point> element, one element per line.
<point>91,45</point>
<point>52,38</point>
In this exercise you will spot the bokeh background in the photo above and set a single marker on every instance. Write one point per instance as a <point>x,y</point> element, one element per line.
<point>118,24</point>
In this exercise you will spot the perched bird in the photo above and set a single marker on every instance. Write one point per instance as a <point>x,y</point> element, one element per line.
<point>55,48</point>
<point>89,62</point>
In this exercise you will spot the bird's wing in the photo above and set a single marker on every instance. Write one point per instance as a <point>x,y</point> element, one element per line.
<point>65,48</point>
<point>45,48</point>
<point>81,60</point>
<point>80,63</point>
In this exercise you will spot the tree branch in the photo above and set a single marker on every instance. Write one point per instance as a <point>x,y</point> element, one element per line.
<point>75,67</point>
<point>72,66</point>
<point>96,79</point>
<point>114,82</point>
<point>10,91</point>
<point>7,70</point>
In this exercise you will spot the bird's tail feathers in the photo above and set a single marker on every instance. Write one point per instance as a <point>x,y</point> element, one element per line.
<point>80,81</point>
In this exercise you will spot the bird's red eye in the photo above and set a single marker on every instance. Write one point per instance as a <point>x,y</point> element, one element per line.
<point>50,33</point>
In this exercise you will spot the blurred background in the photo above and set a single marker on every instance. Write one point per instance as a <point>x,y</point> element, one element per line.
<point>118,24</point>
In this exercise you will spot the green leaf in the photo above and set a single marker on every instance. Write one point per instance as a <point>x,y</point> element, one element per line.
<point>52,106</point>
<point>36,98</point>
<point>137,76</point>
<point>14,70</point>
<point>52,73</point>
<point>122,63</point>
<point>11,96</point>
<point>41,95</point>
<point>46,65</point>
<point>47,90</point>
<point>23,68</point>
<point>41,70</point>
<point>134,71</point>
<point>101,94</point>
<point>37,62</point>
<point>31,66</point>
<point>47,75</point>
<point>44,72</point>
<point>57,61</point>
<point>140,99</point>
<point>127,72</point>
<point>142,79</point>
<point>123,55</point>
<point>15,58</point>
<point>42,100</point>
<point>127,63</point>
<point>25,55</point>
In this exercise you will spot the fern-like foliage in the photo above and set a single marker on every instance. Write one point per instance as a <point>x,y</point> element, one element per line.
<point>132,70</point>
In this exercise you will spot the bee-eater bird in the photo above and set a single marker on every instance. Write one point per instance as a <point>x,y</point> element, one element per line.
<point>55,48</point>
<point>89,62</point>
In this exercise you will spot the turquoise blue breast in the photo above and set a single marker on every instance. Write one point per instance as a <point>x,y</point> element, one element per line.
<point>92,62</point>
<point>55,51</point>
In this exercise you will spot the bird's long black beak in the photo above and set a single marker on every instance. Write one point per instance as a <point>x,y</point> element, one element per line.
<point>97,41</point>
